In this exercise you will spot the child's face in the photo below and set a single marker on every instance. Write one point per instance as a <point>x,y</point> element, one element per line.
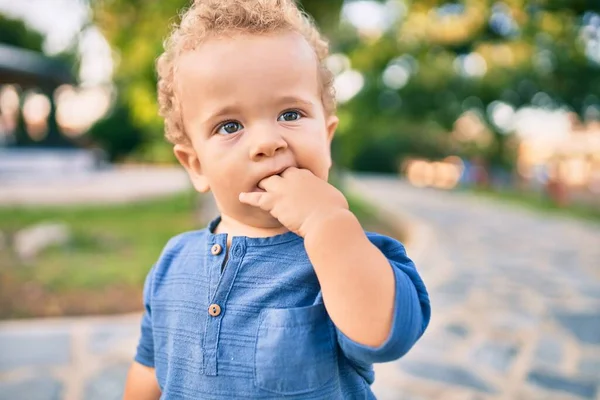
<point>252,107</point>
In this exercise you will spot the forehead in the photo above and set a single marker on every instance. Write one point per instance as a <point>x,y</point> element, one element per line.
<point>247,65</point>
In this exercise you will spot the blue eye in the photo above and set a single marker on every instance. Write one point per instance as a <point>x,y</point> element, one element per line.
<point>229,128</point>
<point>289,116</point>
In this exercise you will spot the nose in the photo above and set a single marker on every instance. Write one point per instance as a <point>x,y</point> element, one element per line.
<point>266,142</point>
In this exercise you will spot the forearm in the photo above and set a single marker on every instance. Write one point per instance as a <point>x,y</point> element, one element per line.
<point>356,279</point>
<point>141,384</point>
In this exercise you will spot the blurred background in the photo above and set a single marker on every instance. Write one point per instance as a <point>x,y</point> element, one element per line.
<point>470,128</point>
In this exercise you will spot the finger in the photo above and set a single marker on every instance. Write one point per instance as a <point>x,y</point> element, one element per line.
<point>256,199</point>
<point>288,171</point>
<point>270,183</point>
<point>252,198</point>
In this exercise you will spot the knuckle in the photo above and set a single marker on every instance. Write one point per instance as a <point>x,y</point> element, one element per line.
<point>263,201</point>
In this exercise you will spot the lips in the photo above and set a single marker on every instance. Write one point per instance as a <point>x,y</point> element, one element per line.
<point>272,173</point>
<point>278,172</point>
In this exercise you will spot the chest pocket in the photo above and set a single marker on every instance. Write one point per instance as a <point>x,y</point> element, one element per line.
<point>295,350</point>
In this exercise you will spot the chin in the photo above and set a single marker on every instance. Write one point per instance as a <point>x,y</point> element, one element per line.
<point>253,217</point>
<point>263,220</point>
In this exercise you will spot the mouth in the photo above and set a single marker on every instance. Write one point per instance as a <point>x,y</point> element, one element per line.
<point>276,172</point>
<point>279,171</point>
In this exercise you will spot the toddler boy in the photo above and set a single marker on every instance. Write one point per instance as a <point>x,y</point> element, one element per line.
<point>284,294</point>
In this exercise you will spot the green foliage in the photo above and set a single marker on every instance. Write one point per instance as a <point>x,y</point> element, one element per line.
<point>118,133</point>
<point>112,244</point>
<point>543,53</point>
<point>15,33</point>
<point>102,268</point>
<point>540,50</point>
<point>325,13</point>
<point>136,31</point>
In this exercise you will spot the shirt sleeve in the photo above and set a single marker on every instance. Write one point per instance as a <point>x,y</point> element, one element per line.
<point>411,309</point>
<point>145,349</point>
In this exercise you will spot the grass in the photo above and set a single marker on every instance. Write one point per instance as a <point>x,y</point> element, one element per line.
<point>111,250</point>
<point>102,269</point>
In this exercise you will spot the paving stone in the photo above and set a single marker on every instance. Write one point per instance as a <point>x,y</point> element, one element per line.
<point>589,367</point>
<point>432,346</point>
<point>514,320</point>
<point>393,393</point>
<point>104,338</point>
<point>444,301</point>
<point>578,387</point>
<point>549,350</point>
<point>457,286</point>
<point>590,290</point>
<point>564,257</point>
<point>108,384</point>
<point>39,388</point>
<point>586,327</point>
<point>576,277</point>
<point>34,348</point>
<point>545,287</point>
<point>457,330</point>
<point>450,374</point>
<point>498,356</point>
<point>531,263</point>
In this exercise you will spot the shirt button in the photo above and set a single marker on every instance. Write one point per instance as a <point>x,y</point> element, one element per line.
<point>214,310</point>
<point>216,249</point>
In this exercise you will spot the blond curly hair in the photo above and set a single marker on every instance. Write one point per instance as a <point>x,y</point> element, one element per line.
<point>209,18</point>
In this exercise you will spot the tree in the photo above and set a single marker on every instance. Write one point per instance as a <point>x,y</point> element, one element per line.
<point>15,33</point>
<point>444,58</point>
<point>439,60</point>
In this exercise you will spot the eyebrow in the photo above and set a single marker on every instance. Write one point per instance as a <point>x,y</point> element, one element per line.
<point>294,100</point>
<point>225,111</point>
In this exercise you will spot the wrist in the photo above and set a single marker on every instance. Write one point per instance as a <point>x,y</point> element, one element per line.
<point>327,223</point>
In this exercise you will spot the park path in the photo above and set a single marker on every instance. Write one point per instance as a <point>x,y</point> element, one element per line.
<point>516,312</point>
<point>111,185</point>
<point>515,298</point>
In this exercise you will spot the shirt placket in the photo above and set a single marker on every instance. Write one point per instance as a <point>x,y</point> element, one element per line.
<point>221,283</point>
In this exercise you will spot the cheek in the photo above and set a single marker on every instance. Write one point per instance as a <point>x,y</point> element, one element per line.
<point>227,173</point>
<point>219,160</point>
<point>315,155</point>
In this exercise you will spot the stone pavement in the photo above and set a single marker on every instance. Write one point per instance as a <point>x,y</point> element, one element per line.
<point>66,359</point>
<point>515,300</point>
<point>516,313</point>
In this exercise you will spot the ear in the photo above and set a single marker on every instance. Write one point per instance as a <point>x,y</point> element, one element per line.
<point>332,124</point>
<point>189,159</point>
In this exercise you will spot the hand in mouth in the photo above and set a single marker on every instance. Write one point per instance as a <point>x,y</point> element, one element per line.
<point>277,172</point>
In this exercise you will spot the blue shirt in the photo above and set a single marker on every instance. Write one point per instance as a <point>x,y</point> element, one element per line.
<point>253,325</point>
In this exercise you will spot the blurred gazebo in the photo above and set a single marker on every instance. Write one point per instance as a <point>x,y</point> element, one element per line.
<point>30,121</point>
<point>32,142</point>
